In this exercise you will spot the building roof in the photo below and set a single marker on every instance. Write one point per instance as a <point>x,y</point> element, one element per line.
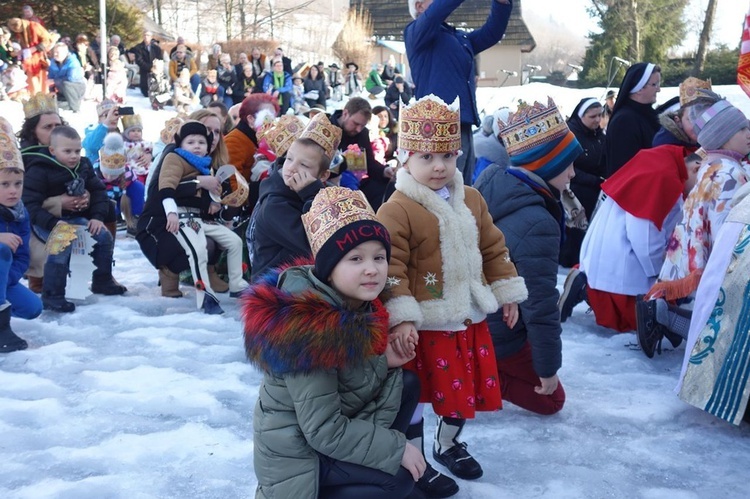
<point>390,17</point>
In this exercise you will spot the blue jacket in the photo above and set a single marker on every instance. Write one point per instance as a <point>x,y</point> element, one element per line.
<point>441,57</point>
<point>69,70</point>
<point>532,233</point>
<point>268,83</point>
<point>21,228</point>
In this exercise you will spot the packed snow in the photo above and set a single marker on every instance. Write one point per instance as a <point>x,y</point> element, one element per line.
<point>139,396</point>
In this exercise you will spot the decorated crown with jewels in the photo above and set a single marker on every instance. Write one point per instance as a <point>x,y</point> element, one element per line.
<point>40,104</point>
<point>531,126</point>
<point>322,132</point>
<point>690,89</point>
<point>10,155</point>
<point>280,135</point>
<point>333,208</point>
<point>430,125</point>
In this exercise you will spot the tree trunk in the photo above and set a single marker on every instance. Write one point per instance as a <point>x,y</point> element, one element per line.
<point>243,22</point>
<point>708,23</point>
<point>635,33</point>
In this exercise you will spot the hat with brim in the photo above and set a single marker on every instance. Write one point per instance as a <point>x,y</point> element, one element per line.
<point>356,66</point>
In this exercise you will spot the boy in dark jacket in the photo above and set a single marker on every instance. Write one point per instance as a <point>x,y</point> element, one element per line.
<point>276,235</point>
<point>55,171</point>
<point>15,298</point>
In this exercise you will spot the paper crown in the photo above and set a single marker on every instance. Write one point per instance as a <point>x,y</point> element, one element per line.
<point>10,155</point>
<point>430,125</point>
<point>531,126</point>
<point>171,127</point>
<point>689,89</point>
<point>112,157</point>
<point>131,121</point>
<point>323,133</point>
<point>333,208</point>
<point>104,106</point>
<point>40,104</point>
<point>280,135</point>
<point>234,187</point>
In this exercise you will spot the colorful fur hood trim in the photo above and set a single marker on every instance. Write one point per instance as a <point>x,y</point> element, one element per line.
<point>306,331</point>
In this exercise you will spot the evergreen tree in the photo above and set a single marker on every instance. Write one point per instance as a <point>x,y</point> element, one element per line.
<point>642,30</point>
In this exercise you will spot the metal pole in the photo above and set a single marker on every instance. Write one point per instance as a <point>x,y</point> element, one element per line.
<point>103,42</point>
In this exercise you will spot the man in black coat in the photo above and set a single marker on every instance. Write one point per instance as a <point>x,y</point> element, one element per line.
<point>145,53</point>
<point>397,91</point>
<point>353,120</point>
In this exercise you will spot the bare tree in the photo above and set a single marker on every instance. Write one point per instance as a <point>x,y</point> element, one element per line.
<point>705,38</point>
<point>354,42</point>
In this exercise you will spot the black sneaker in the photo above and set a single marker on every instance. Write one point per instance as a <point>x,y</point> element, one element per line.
<point>458,460</point>
<point>435,484</point>
<point>10,342</point>
<point>574,292</point>
<point>650,332</point>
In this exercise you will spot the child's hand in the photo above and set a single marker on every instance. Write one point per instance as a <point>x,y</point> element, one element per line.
<point>214,208</point>
<point>404,339</point>
<point>395,359</point>
<point>110,119</point>
<point>299,180</point>
<point>173,223</point>
<point>95,226</point>
<point>413,461</point>
<point>510,314</point>
<point>143,161</point>
<point>13,241</point>
<point>549,385</point>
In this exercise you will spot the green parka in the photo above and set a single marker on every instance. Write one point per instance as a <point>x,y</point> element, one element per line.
<point>327,388</point>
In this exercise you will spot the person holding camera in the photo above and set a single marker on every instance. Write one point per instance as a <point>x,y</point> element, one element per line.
<point>51,172</point>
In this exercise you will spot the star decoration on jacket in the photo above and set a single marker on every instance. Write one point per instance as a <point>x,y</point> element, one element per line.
<point>430,279</point>
<point>392,281</point>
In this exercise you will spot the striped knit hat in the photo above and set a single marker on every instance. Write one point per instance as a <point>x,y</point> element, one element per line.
<point>538,139</point>
<point>717,124</point>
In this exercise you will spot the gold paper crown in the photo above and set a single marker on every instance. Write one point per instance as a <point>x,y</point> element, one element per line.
<point>131,121</point>
<point>323,133</point>
<point>40,104</point>
<point>281,134</point>
<point>430,125</point>
<point>531,126</point>
<point>171,127</point>
<point>333,208</point>
<point>10,155</point>
<point>104,106</point>
<point>689,89</point>
<point>114,164</point>
<point>234,187</point>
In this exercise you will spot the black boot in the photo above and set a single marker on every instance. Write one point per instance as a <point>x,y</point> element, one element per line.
<point>105,284</point>
<point>211,305</point>
<point>451,453</point>
<point>9,342</point>
<point>433,483</point>
<point>53,288</point>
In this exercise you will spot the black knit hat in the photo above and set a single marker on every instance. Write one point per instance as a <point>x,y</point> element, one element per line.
<point>193,128</point>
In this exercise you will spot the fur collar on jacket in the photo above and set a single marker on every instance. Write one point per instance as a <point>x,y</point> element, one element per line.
<point>667,121</point>
<point>304,326</point>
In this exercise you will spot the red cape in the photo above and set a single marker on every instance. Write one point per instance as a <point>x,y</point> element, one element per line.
<point>650,183</point>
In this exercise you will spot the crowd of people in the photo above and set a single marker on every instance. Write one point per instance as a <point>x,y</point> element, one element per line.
<point>376,278</point>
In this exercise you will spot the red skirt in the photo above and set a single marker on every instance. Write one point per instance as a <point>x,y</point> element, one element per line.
<point>458,371</point>
<point>613,310</point>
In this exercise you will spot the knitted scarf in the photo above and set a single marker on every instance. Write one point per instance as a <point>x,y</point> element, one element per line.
<point>200,163</point>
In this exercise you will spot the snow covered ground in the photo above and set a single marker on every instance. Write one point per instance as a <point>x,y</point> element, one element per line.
<point>140,396</point>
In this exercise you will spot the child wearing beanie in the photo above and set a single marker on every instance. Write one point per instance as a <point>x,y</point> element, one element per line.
<point>138,151</point>
<point>724,134</point>
<point>15,298</point>
<point>275,234</point>
<point>94,135</point>
<point>334,404</point>
<point>183,96</point>
<point>191,162</point>
<point>122,186</point>
<point>450,268</point>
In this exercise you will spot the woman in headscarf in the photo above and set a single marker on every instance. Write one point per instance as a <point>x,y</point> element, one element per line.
<point>585,123</point>
<point>634,121</point>
<point>35,41</point>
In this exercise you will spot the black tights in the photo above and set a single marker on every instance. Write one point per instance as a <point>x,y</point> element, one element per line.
<point>346,480</point>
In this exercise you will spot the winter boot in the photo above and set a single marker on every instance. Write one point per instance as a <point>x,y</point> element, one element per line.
<point>104,284</point>
<point>218,284</point>
<point>211,305</point>
<point>9,342</point>
<point>451,453</point>
<point>433,483</point>
<point>170,283</point>
<point>650,333</point>
<point>53,290</point>
<point>35,283</point>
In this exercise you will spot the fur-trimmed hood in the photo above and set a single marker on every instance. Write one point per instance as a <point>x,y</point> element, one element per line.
<point>293,323</point>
